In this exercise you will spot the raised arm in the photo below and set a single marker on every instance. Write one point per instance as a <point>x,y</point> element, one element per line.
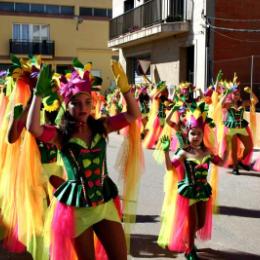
<point>133,111</point>
<point>253,98</point>
<point>223,99</point>
<point>220,161</point>
<point>33,119</point>
<point>43,87</point>
<point>169,121</point>
<point>17,123</point>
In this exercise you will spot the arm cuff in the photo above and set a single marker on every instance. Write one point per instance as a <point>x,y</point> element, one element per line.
<point>49,132</point>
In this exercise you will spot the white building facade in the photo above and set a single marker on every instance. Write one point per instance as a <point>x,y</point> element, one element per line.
<point>170,34</point>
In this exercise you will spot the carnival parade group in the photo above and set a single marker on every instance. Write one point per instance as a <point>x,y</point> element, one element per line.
<point>57,200</point>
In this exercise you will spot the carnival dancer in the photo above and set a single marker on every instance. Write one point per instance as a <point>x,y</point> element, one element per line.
<point>29,182</point>
<point>237,128</point>
<point>144,103</point>
<point>187,207</point>
<point>184,102</point>
<point>18,236</point>
<point>156,121</point>
<point>83,205</point>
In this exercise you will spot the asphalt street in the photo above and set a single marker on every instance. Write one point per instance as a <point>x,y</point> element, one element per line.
<point>236,229</point>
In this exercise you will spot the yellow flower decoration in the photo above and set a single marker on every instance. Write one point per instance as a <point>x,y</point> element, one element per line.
<point>53,107</point>
<point>88,66</point>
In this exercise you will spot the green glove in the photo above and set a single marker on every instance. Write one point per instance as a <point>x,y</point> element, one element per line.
<point>165,143</point>
<point>120,77</point>
<point>18,110</point>
<point>43,86</point>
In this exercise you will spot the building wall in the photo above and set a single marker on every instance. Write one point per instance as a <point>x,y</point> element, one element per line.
<point>88,43</point>
<point>233,50</point>
<point>164,55</point>
<point>197,36</point>
<point>118,8</point>
<point>168,54</point>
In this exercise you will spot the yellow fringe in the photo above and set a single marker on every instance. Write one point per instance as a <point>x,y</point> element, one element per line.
<point>130,166</point>
<point>252,116</point>
<point>168,208</point>
<point>214,185</point>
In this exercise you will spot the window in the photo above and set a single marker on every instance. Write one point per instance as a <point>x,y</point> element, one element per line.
<point>4,66</point>
<point>37,8</point>
<point>30,32</point>
<point>63,69</point>
<point>7,7</point>
<point>21,32</point>
<point>85,11</point>
<point>67,10</point>
<point>128,5</point>
<point>96,73</point>
<point>52,9</point>
<point>100,12</point>
<point>22,8</point>
<point>109,13</point>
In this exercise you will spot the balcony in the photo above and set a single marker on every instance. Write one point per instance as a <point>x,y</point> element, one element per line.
<point>44,48</point>
<point>154,19</point>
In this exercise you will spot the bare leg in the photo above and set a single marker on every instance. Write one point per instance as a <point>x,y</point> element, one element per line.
<point>84,245</point>
<point>112,237</point>
<point>192,227</point>
<point>248,144</point>
<point>234,150</point>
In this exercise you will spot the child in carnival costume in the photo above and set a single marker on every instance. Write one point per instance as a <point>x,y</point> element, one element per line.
<point>176,118</point>
<point>187,207</point>
<point>85,203</point>
<point>156,121</point>
<point>236,128</point>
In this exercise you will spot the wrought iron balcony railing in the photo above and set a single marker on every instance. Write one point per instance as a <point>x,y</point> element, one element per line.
<point>32,48</point>
<point>151,12</point>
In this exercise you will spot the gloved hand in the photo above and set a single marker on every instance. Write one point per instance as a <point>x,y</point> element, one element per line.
<point>43,86</point>
<point>165,143</point>
<point>247,90</point>
<point>18,110</point>
<point>120,77</point>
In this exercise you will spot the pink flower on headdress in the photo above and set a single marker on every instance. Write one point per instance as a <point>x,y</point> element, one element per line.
<point>74,86</point>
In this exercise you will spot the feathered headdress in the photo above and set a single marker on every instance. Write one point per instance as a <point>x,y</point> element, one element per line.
<point>74,85</point>
<point>195,119</point>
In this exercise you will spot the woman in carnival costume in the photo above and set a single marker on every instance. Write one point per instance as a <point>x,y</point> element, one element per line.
<point>83,205</point>
<point>29,181</point>
<point>236,128</point>
<point>187,207</point>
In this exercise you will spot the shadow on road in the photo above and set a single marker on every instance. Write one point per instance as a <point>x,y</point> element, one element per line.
<point>252,174</point>
<point>209,254</point>
<point>245,173</point>
<point>145,246</point>
<point>249,213</point>
<point>147,218</point>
